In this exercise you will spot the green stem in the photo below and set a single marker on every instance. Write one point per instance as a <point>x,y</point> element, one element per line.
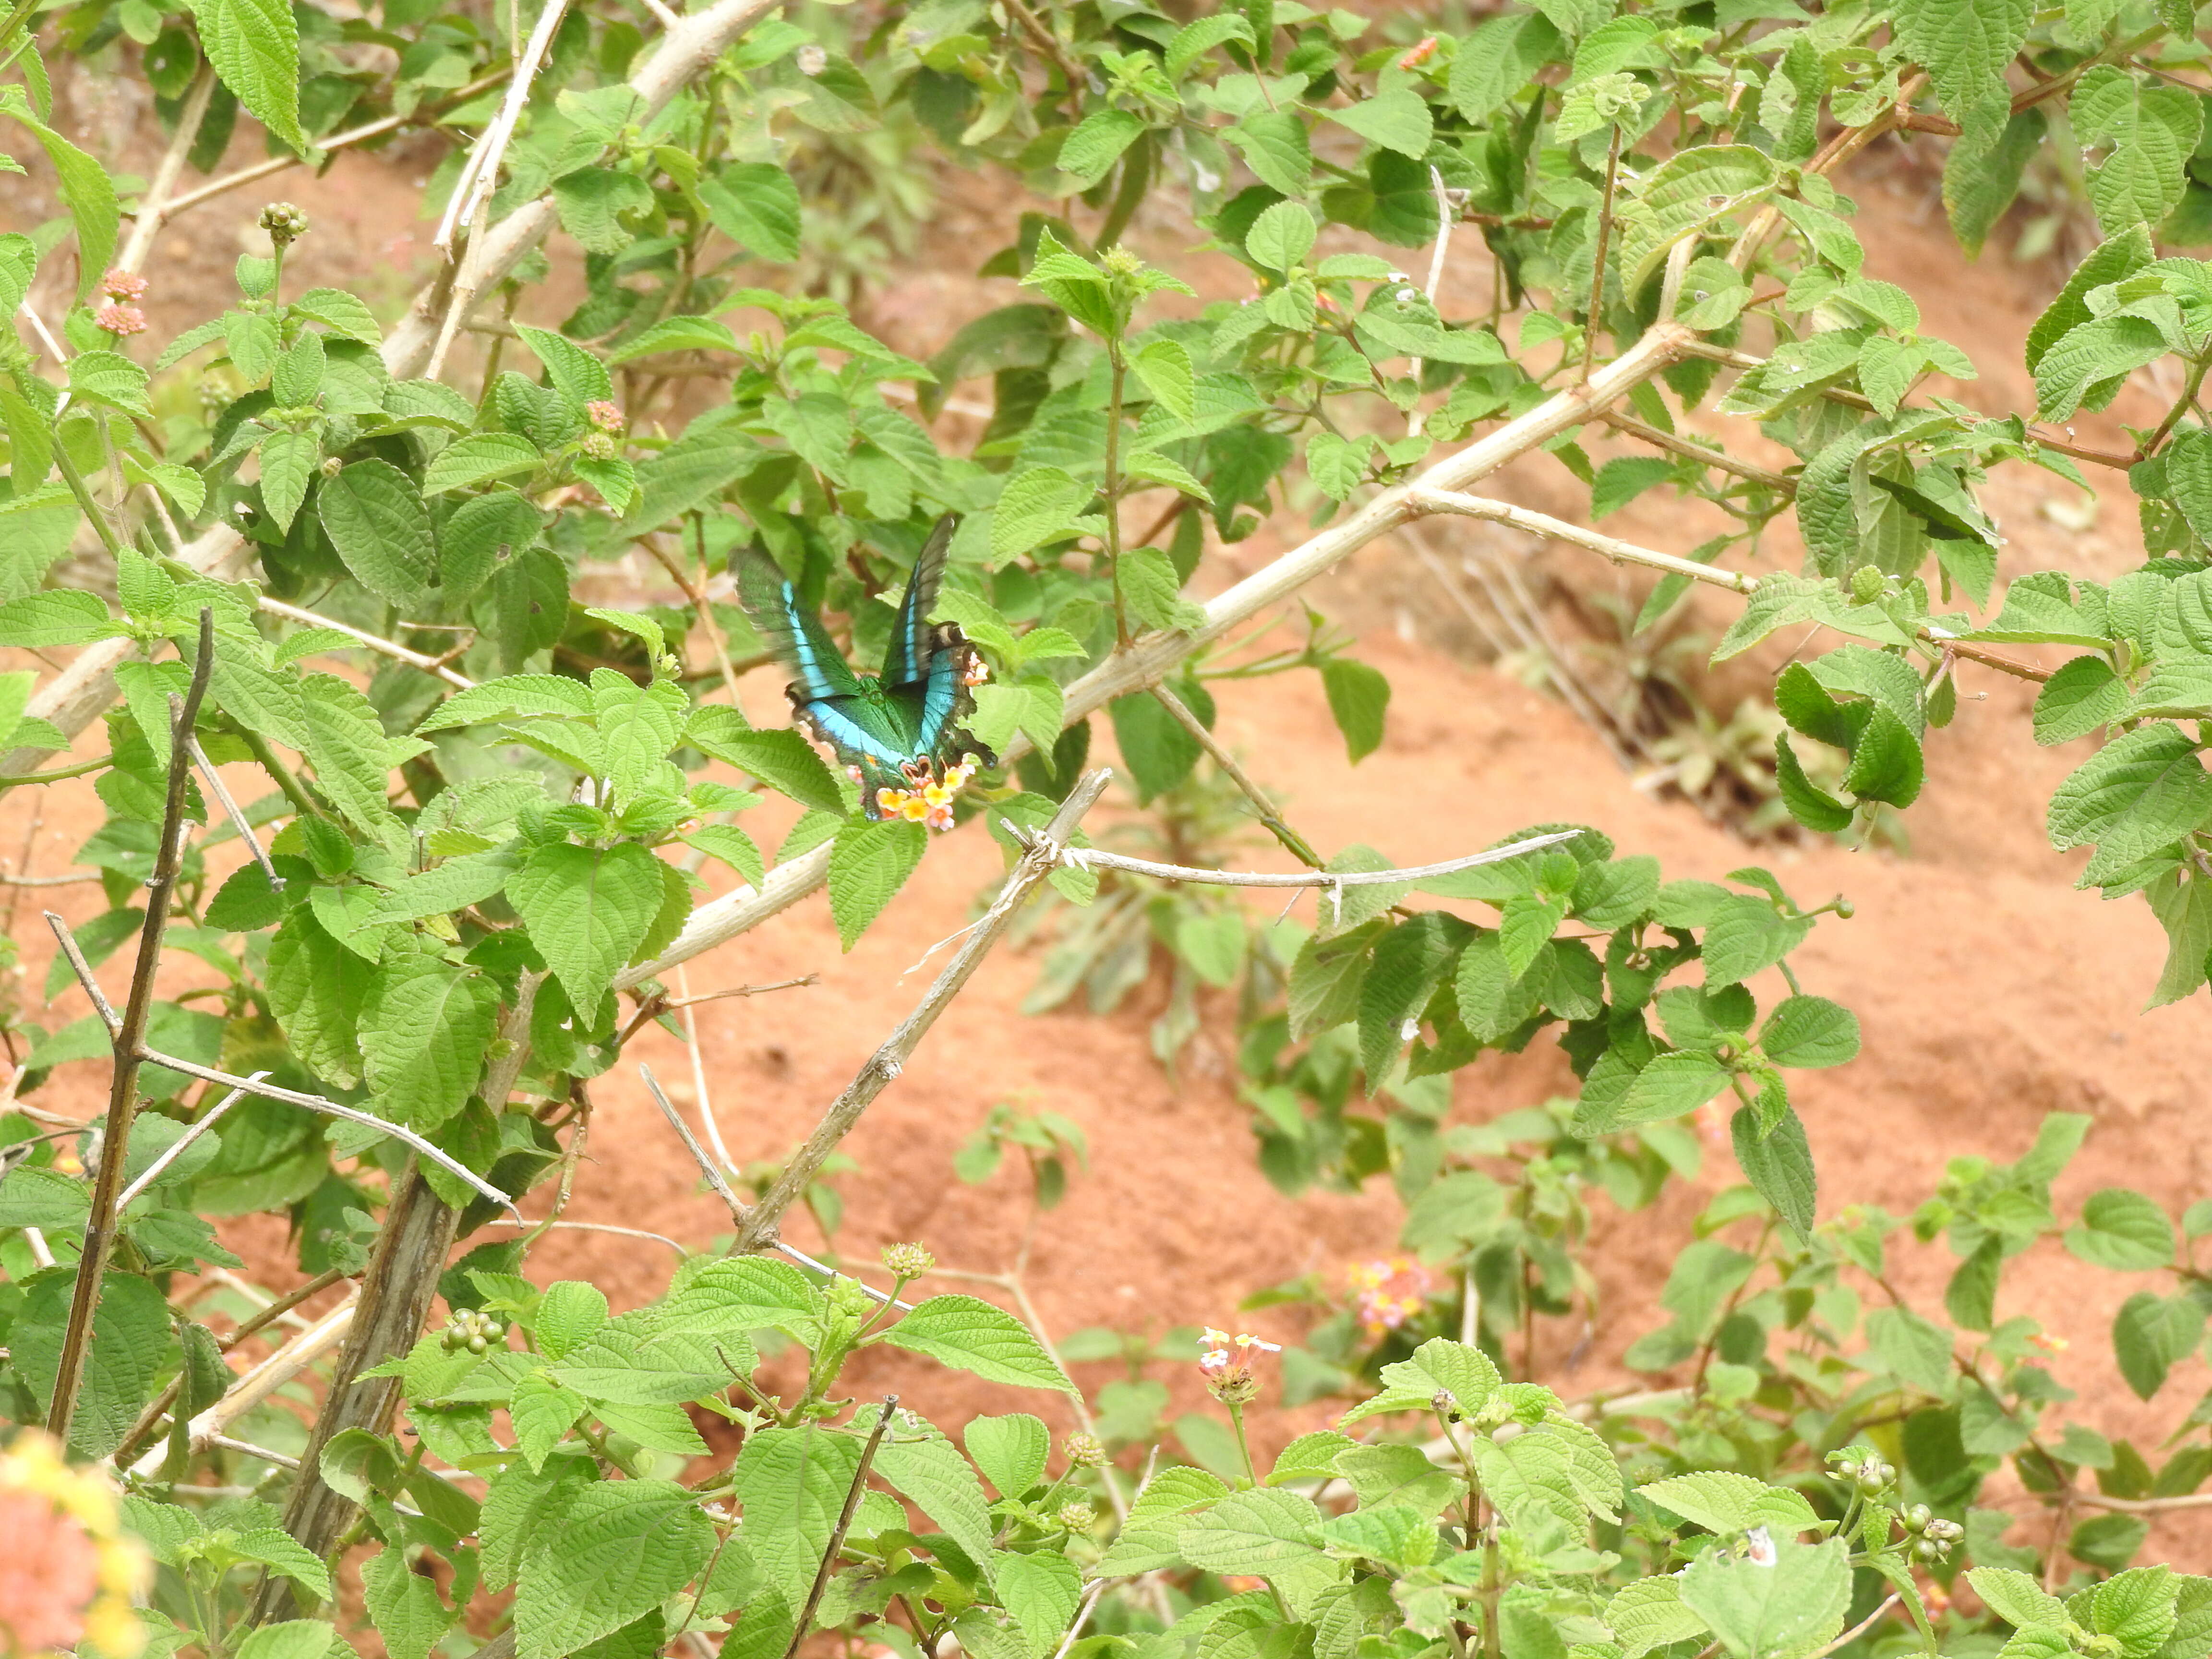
<point>16,20</point>
<point>1112,489</point>
<point>56,774</point>
<point>82,492</point>
<point>2187,398</point>
<point>287,780</point>
<point>1244,1446</point>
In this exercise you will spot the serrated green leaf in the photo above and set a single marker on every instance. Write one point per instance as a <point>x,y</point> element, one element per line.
<point>971,1335</point>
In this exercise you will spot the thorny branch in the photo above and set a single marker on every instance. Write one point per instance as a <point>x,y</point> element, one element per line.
<point>127,1038</point>
<point>758,1230</point>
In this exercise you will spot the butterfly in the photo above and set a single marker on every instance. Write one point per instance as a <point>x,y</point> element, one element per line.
<point>898,734</point>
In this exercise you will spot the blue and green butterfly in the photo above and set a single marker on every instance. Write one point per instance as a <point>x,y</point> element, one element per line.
<point>899,732</point>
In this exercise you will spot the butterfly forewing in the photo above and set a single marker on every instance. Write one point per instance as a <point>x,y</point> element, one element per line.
<point>908,659</point>
<point>792,629</point>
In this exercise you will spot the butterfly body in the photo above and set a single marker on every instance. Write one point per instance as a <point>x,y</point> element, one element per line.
<point>898,732</point>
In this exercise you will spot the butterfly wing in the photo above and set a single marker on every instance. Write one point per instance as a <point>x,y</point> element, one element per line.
<point>792,629</point>
<point>907,661</point>
<point>941,698</point>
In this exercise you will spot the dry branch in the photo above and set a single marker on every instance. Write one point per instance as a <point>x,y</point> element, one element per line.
<point>758,1230</point>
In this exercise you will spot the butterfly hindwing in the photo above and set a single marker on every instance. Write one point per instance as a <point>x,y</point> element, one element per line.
<point>908,659</point>
<point>792,629</point>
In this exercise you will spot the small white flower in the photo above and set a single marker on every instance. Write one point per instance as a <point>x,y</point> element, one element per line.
<point>1759,1547</point>
<point>812,60</point>
<point>1408,1029</point>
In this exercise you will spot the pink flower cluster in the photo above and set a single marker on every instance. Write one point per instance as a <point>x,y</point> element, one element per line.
<point>1387,1293</point>
<point>1227,1363</point>
<point>605,415</point>
<point>120,316</point>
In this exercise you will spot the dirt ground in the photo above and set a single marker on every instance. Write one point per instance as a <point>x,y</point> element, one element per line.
<point>1989,991</point>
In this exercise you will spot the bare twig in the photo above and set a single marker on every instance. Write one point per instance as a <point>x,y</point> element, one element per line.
<point>740,1211</point>
<point>797,983</point>
<point>1542,524</point>
<point>1696,451</point>
<point>238,819</point>
<point>1597,255</point>
<point>352,136</point>
<point>1857,1630</point>
<point>127,1039</point>
<point>1293,843</point>
<point>592,1227</point>
<point>375,642</point>
<point>1436,258</point>
<point>844,1519</point>
<point>759,1228</point>
<point>75,879</point>
<point>264,1380</point>
<point>153,209</point>
<point>1089,858</point>
<point>470,202</point>
<point>459,1172</point>
<point>207,1121</point>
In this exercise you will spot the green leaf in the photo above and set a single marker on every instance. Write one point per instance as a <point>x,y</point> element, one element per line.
<point>1810,1032</point>
<point>591,201</point>
<point>2139,1343</point>
<point>288,461</point>
<point>1396,119</point>
<point>1282,236</point>
<point>2080,697</point>
<point>2016,1598</point>
<point>1275,147</point>
<point>2085,367</point>
<point>921,1462</point>
<point>1088,152</point>
<point>1915,1350</point>
<point>1647,1613</point>
<point>781,759</point>
<point>1778,1165</point>
<point>1965,50</point>
<point>2112,261</point>
<point>1727,1504</point>
<point>2148,133</point>
<point>375,519</point>
<point>133,1341</point>
<point>588,910</point>
<point>869,862</point>
<point>1744,935</point>
<point>477,459</point>
<point>1762,1610</point>
<point>1195,39</point>
<point>971,1335</point>
<point>254,45</point>
<point>543,1411</point>
<point>1037,506</point>
<point>87,190</point>
<point>56,617</point>
<point>1010,1450</point>
<point>1164,367</point>
<point>2122,1230</point>
<point>1886,764</point>
<point>1261,1532</point>
<point>1042,1592</point>
<point>1458,1369</point>
<point>316,989</point>
<point>1498,57</point>
<point>296,1638</point>
<point>1669,1085</point>
<point>624,1545</point>
<point>1809,804</point>
<point>404,1605</point>
<point>1683,195</point>
<point>1358,699</point>
<point>2141,791</point>
<point>425,1025</point>
<point>755,203</point>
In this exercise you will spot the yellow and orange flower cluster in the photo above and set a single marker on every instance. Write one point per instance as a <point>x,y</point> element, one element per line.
<point>930,801</point>
<point>1385,1294</point>
<point>70,1574</point>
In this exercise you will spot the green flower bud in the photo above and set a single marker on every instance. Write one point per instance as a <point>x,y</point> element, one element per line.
<point>1083,1451</point>
<point>285,222</point>
<point>1077,1516</point>
<point>906,1261</point>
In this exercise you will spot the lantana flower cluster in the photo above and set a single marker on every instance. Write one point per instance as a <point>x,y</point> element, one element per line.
<point>1387,1293</point>
<point>1228,1363</point>
<point>121,316</point>
<point>929,803</point>
<point>70,1572</point>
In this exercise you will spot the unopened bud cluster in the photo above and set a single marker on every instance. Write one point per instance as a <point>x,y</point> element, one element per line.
<point>906,1261</point>
<point>1868,1471</point>
<point>1932,1536</point>
<point>470,1329</point>
<point>285,222</point>
<point>1077,1516</point>
<point>1083,1451</point>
